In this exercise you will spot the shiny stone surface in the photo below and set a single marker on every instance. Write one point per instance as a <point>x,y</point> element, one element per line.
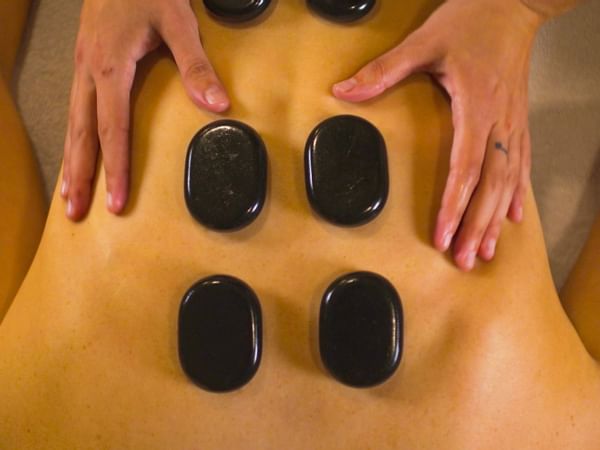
<point>220,333</point>
<point>346,170</point>
<point>225,178</point>
<point>342,10</point>
<point>361,329</point>
<point>236,10</point>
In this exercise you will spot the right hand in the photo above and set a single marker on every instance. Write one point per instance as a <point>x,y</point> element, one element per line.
<point>479,51</point>
<point>113,36</point>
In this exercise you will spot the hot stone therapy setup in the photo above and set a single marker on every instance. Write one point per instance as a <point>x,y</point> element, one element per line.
<point>225,185</point>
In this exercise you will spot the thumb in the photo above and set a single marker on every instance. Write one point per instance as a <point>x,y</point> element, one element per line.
<point>385,71</point>
<point>180,32</point>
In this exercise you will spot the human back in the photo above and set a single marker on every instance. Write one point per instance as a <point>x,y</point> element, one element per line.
<point>90,345</point>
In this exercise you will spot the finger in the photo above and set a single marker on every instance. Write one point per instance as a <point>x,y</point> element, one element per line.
<point>83,148</point>
<point>387,70</point>
<point>515,212</point>
<point>179,29</point>
<point>466,160</point>
<point>64,189</point>
<point>487,249</point>
<point>114,84</point>
<point>485,199</point>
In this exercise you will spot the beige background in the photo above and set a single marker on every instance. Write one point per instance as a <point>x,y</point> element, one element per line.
<point>564,100</point>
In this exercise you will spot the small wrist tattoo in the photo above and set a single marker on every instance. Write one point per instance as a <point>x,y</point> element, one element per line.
<point>500,147</point>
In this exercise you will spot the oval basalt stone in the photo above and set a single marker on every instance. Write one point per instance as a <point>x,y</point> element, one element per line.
<point>220,333</point>
<point>225,175</point>
<point>342,10</point>
<point>236,10</point>
<point>346,170</point>
<point>361,329</point>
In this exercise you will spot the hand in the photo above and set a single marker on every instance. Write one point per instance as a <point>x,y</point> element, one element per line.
<point>113,36</point>
<point>479,51</point>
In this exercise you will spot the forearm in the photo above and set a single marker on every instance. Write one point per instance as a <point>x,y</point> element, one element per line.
<point>550,8</point>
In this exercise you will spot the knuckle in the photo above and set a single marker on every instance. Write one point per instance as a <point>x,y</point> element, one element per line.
<point>199,68</point>
<point>494,228</point>
<point>80,136</point>
<point>512,179</point>
<point>519,191</point>
<point>523,186</point>
<point>475,230</point>
<point>79,56</point>
<point>510,124</point>
<point>103,68</point>
<point>103,63</point>
<point>495,181</point>
<point>80,181</point>
<point>109,133</point>
<point>471,174</point>
<point>116,178</point>
<point>378,74</point>
<point>468,175</point>
<point>116,172</point>
<point>107,71</point>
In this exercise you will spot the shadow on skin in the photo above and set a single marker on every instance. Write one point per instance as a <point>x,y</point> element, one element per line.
<point>143,116</point>
<point>291,332</point>
<point>430,168</point>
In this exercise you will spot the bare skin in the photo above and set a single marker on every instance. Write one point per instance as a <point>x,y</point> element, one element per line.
<point>113,37</point>
<point>89,347</point>
<point>22,201</point>
<point>581,293</point>
<point>13,16</point>
<point>486,78</point>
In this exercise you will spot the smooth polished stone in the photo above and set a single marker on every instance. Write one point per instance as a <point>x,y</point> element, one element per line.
<point>226,175</point>
<point>236,10</point>
<point>342,10</point>
<point>361,329</point>
<point>346,170</point>
<point>220,333</point>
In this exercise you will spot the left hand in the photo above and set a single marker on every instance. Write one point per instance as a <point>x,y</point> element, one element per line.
<point>479,51</point>
<point>113,36</point>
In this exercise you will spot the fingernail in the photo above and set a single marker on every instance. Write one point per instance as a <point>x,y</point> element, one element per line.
<point>109,201</point>
<point>446,240</point>
<point>70,208</point>
<point>63,188</point>
<point>490,248</point>
<point>470,260</point>
<point>520,213</point>
<point>346,86</point>
<point>214,95</point>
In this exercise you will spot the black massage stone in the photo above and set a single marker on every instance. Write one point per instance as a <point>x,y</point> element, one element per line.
<point>236,10</point>
<point>342,10</point>
<point>220,333</point>
<point>361,329</point>
<point>346,170</point>
<point>225,175</point>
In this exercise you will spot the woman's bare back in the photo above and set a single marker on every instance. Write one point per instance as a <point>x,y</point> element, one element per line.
<point>90,344</point>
